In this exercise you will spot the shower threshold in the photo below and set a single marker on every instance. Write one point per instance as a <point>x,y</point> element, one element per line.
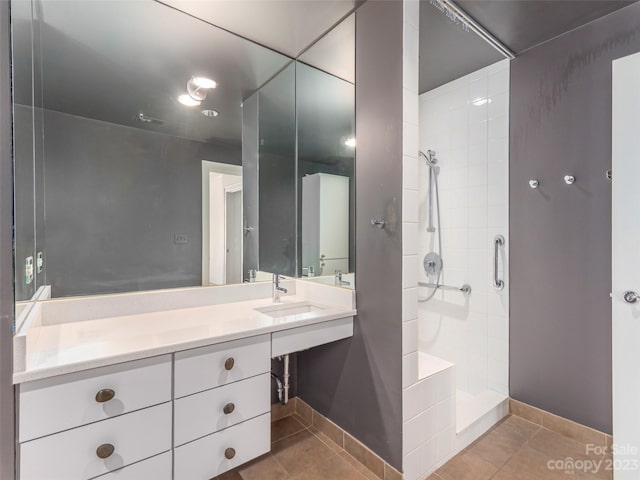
<point>472,408</point>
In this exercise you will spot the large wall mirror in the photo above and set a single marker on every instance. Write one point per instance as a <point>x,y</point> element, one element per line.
<point>171,153</point>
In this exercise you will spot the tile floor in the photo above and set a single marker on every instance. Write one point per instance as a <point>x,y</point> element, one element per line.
<point>299,451</point>
<point>515,449</point>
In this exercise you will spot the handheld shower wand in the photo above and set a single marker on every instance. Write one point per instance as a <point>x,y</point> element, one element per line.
<point>432,161</point>
<point>433,261</point>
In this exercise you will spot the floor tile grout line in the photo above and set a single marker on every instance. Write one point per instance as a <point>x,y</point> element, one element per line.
<point>522,447</point>
<point>337,454</point>
<point>287,436</point>
<point>341,450</point>
<point>280,464</point>
<point>486,434</point>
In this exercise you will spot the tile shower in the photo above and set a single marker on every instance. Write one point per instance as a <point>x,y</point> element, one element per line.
<point>455,347</point>
<point>466,123</point>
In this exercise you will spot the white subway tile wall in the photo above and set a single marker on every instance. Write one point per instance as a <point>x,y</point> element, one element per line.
<point>429,424</point>
<point>471,142</point>
<point>466,122</point>
<point>410,144</point>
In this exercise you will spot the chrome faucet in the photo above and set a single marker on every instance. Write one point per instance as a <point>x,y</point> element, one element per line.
<point>276,288</point>
<point>339,281</point>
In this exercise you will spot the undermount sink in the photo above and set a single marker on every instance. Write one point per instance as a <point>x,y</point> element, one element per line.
<point>286,310</point>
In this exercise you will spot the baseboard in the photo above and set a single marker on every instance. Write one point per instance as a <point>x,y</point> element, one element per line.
<point>563,426</point>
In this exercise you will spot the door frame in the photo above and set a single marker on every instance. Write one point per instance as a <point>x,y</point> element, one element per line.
<point>234,188</point>
<point>209,167</point>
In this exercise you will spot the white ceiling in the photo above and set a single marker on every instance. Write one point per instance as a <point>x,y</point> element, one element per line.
<point>111,60</point>
<point>284,25</point>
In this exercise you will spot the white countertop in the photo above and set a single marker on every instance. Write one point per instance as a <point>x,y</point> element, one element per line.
<point>71,347</point>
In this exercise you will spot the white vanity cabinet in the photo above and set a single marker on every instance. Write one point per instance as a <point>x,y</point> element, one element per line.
<point>124,421</point>
<point>208,412</point>
<point>62,402</point>
<point>208,367</point>
<point>188,414</point>
<point>215,454</point>
<point>89,423</point>
<point>227,422</point>
<point>98,448</point>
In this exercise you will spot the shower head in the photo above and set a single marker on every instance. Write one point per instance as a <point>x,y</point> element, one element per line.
<point>430,157</point>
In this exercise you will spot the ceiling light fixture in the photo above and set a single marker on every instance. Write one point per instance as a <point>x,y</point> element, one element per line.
<point>188,100</point>
<point>350,142</point>
<point>198,86</point>
<point>481,101</point>
<point>210,113</point>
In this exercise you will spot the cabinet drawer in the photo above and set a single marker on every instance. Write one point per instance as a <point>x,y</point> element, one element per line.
<point>203,413</point>
<point>302,338</point>
<point>72,455</point>
<point>204,368</point>
<point>155,468</point>
<point>205,458</point>
<point>67,401</point>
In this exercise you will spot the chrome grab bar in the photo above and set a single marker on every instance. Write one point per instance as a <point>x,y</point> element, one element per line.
<point>498,242</point>
<point>464,289</point>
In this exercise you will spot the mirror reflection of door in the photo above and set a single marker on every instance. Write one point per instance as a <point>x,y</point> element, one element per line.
<point>234,234</point>
<point>325,223</point>
<point>221,223</point>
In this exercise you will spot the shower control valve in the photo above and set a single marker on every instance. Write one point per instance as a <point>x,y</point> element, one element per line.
<point>534,183</point>
<point>630,297</point>
<point>569,179</point>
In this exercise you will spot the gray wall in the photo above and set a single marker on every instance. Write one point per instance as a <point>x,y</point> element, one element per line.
<point>560,344</point>
<point>7,438</point>
<point>357,382</point>
<point>115,198</point>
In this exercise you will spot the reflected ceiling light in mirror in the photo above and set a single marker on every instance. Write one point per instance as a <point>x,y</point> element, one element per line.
<point>210,113</point>
<point>188,100</point>
<point>198,86</point>
<point>480,101</point>
<point>204,82</point>
<point>350,142</point>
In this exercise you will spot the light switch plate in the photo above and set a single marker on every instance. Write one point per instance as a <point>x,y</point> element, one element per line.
<point>181,238</point>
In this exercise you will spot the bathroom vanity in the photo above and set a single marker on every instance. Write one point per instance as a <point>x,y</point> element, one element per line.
<point>173,393</point>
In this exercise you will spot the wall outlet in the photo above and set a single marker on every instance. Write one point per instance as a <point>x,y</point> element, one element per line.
<point>28,270</point>
<point>181,238</point>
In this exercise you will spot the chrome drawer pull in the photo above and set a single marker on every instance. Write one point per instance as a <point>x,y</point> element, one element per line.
<point>105,395</point>
<point>229,453</point>
<point>229,363</point>
<point>105,450</point>
<point>229,408</point>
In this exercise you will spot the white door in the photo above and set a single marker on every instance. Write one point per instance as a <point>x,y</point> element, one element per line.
<point>234,237</point>
<point>626,267</point>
